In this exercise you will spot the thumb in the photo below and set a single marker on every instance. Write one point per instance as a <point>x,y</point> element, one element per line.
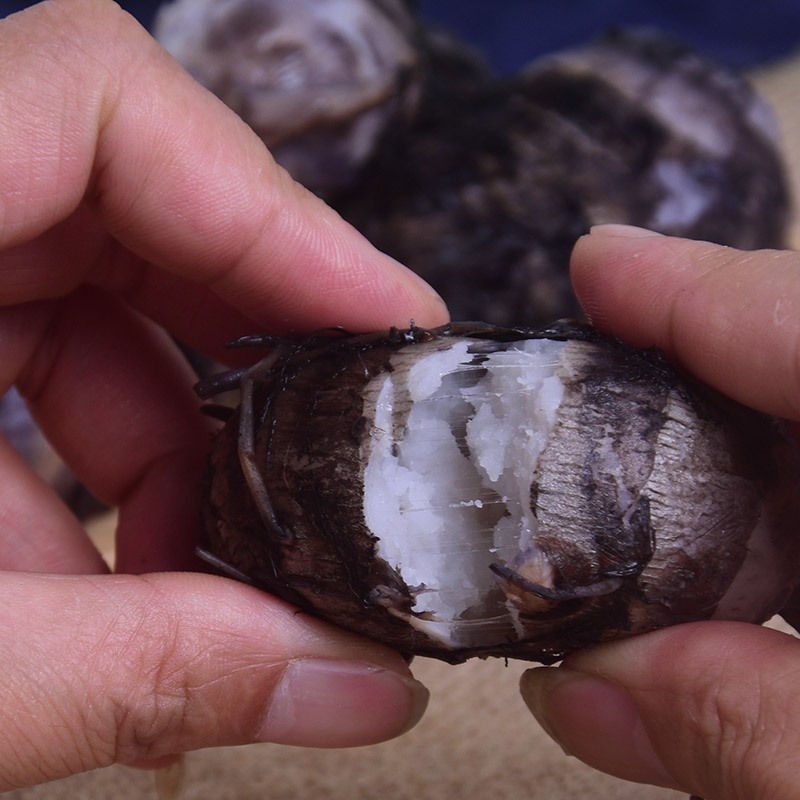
<point>729,317</point>
<point>103,669</point>
<point>709,708</point>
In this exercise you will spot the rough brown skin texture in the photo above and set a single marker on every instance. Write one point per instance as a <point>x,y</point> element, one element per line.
<point>323,555</point>
<point>615,574</point>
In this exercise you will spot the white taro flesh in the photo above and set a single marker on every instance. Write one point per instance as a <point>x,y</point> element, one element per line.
<point>474,490</point>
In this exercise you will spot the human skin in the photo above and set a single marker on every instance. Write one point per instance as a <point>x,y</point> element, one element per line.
<point>710,708</point>
<point>133,204</point>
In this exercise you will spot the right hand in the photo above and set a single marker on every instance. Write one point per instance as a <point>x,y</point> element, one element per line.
<point>710,708</point>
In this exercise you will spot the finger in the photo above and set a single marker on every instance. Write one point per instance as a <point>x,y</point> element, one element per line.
<point>37,531</point>
<point>95,670</point>
<point>95,108</point>
<point>114,396</point>
<point>708,708</point>
<point>730,317</point>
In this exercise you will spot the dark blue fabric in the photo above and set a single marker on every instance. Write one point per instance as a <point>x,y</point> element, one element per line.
<point>740,33</point>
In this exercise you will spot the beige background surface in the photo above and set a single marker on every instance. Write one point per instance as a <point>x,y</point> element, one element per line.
<point>477,741</point>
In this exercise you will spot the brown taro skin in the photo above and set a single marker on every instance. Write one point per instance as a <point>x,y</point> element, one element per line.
<point>658,500</point>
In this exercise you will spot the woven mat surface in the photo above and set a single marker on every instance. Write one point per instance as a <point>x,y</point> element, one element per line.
<point>477,741</point>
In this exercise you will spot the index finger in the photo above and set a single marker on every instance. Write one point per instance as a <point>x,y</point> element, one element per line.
<point>95,109</point>
<point>732,318</point>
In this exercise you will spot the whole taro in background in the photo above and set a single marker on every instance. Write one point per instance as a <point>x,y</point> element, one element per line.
<point>319,81</point>
<point>482,184</point>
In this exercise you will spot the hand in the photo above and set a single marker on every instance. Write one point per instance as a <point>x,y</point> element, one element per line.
<point>710,708</point>
<point>133,202</point>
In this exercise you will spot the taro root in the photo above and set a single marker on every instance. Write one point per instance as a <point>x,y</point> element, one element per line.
<point>482,491</point>
<point>479,182</point>
<point>487,191</point>
<point>320,81</point>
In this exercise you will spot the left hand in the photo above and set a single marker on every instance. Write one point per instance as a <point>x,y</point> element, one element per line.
<point>134,205</point>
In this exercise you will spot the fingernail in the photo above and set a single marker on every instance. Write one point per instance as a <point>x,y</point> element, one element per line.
<point>622,231</point>
<point>320,703</point>
<point>594,720</point>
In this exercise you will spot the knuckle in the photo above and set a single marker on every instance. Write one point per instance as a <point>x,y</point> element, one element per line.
<point>743,730</point>
<point>150,690</point>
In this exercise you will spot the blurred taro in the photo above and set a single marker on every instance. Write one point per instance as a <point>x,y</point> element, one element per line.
<point>482,183</point>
